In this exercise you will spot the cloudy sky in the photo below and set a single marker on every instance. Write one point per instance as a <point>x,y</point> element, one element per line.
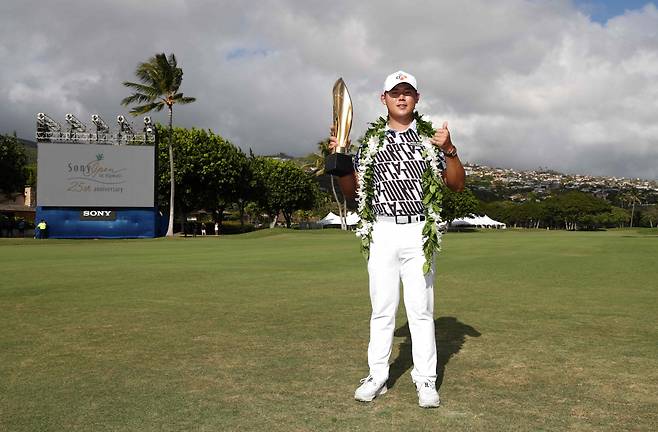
<point>566,84</point>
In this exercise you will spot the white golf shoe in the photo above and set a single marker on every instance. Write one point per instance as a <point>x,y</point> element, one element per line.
<point>369,389</point>
<point>428,397</point>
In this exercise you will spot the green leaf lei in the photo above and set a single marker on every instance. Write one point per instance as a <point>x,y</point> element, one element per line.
<point>431,183</point>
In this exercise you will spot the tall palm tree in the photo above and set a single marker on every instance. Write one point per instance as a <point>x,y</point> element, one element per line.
<point>316,164</point>
<point>632,197</point>
<point>160,79</point>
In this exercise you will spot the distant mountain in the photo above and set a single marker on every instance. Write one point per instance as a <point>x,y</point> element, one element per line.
<point>281,156</point>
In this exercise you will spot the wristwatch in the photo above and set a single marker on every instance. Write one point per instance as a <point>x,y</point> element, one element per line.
<point>452,153</point>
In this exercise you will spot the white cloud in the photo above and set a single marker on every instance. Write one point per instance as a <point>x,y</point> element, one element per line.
<point>522,83</point>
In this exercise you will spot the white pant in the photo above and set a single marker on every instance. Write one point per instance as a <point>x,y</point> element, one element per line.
<point>396,252</point>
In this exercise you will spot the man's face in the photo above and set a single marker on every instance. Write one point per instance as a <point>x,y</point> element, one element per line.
<point>401,100</point>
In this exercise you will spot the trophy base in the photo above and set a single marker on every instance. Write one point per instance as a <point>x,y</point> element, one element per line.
<point>338,164</point>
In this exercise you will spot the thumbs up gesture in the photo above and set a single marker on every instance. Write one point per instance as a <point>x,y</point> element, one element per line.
<point>441,138</point>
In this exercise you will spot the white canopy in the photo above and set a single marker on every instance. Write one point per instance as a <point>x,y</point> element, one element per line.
<point>352,218</point>
<point>486,220</point>
<point>334,219</point>
<point>330,219</point>
<point>477,222</point>
<point>473,221</point>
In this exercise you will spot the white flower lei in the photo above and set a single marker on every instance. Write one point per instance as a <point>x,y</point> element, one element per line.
<point>431,186</point>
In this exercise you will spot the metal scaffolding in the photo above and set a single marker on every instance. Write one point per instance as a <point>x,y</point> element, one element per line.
<point>48,130</point>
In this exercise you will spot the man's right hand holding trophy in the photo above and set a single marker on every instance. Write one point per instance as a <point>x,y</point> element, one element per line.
<point>339,162</point>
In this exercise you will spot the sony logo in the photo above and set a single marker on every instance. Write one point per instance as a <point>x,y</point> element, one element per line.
<point>105,215</point>
<point>96,212</point>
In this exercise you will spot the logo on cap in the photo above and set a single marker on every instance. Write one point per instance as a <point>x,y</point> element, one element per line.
<point>401,77</point>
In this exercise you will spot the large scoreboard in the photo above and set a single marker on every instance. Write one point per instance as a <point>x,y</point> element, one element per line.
<point>91,175</point>
<point>96,185</point>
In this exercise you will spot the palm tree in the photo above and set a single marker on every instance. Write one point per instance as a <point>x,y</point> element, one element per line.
<point>160,79</point>
<point>632,197</point>
<point>316,165</point>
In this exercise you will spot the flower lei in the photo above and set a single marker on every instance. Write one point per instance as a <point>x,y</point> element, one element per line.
<point>431,182</point>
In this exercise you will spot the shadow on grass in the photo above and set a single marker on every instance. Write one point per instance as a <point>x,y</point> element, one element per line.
<point>450,336</point>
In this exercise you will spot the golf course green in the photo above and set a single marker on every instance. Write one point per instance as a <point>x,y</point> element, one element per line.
<point>536,330</point>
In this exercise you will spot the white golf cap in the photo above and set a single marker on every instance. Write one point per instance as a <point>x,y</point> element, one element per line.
<point>399,77</point>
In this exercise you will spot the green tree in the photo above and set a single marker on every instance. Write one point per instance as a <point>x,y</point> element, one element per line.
<point>530,213</point>
<point>160,79</point>
<point>246,191</point>
<point>13,166</point>
<point>226,175</point>
<point>500,211</point>
<point>616,217</point>
<point>211,173</point>
<point>576,209</point>
<point>458,204</point>
<point>283,187</point>
<point>650,216</point>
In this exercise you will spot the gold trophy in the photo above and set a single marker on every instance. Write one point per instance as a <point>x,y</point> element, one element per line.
<point>340,163</point>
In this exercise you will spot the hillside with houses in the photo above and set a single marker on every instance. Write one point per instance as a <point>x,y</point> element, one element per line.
<point>490,184</point>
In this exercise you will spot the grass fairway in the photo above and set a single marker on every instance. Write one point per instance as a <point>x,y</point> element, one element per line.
<point>537,331</point>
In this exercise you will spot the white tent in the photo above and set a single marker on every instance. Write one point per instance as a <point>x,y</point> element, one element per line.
<point>490,223</point>
<point>463,222</point>
<point>352,218</point>
<point>330,219</point>
<point>333,219</point>
<point>474,221</point>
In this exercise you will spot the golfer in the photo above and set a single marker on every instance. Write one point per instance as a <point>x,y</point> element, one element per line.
<point>397,168</point>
